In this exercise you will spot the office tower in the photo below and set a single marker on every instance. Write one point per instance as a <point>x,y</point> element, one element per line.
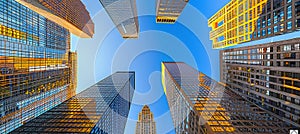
<point>35,71</point>
<point>198,105</point>
<point>167,11</point>
<point>123,13</point>
<point>102,108</point>
<point>267,75</point>
<point>245,20</point>
<point>146,123</point>
<point>70,14</point>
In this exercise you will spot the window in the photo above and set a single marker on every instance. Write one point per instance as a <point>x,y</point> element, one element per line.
<point>275,29</point>
<point>287,48</point>
<point>289,12</point>
<point>289,25</point>
<point>269,31</point>
<point>269,20</point>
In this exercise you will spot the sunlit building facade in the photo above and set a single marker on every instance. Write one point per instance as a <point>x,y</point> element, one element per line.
<point>245,20</point>
<point>102,108</point>
<point>267,75</point>
<point>200,105</point>
<point>73,73</point>
<point>70,14</point>
<point>145,123</point>
<point>34,68</point>
<point>123,13</point>
<point>167,11</point>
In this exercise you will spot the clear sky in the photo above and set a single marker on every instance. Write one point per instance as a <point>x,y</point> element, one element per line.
<point>186,41</point>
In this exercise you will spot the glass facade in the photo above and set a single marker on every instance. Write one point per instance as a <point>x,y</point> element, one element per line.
<point>245,20</point>
<point>267,75</point>
<point>198,104</point>
<point>102,108</point>
<point>168,11</point>
<point>71,15</point>
<point>124,15</point>
<point>34,68</point>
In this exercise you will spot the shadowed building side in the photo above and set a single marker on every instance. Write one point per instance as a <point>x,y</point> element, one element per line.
<point>123,13</point>
<point>71,14</point>
<point>167,11</point>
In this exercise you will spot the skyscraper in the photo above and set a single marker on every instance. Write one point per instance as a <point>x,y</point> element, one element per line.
<point>102,108</point>
<point>267,75</point>
<point>146,123</point>
<point>245,20</point>
<point>167,11</point>
<point>198,104</point>
<point>37,69</point>
<point>70,14</point>
<point>124,15</point>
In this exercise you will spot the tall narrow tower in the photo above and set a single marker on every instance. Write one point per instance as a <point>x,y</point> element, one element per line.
<point>146,123</point>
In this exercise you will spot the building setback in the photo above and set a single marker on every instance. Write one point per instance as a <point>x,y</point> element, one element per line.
<point>146,123</point>
<point>245,20</point>
<point>167,11</point>
<point>198,104</point>
<point>102,108</point>
<point>70,14</point>
<point>124,15</point>
<point>267,75</point>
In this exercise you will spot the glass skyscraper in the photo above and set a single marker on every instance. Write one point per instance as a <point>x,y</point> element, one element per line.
<point>37,69</point>
<point>198,104</point>
<point>102,108</point>
<point>123,13</point>
<point>167,11</point>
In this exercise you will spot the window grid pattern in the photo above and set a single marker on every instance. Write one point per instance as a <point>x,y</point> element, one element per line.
<point>145,123</point>
<point>124,15</point>
<point>202,105</point>
<point>167,11</point>
<point>34,68</point>
<point>102,108</point>
<point>267,75</point>
<point>245,20</point>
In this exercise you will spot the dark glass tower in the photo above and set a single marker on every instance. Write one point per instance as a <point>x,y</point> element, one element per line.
<point>198,105</point>
<point>102,108</point>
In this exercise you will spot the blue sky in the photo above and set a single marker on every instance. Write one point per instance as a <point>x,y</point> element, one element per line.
<point>185,41</point>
